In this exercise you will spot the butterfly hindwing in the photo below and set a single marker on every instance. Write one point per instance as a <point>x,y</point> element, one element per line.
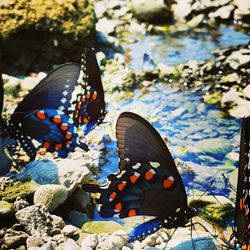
<point>242,206</point>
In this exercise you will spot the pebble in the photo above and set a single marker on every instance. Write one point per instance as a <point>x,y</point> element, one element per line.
<point>70,230</point>
<point>70,245</point>
<point>90,241</point>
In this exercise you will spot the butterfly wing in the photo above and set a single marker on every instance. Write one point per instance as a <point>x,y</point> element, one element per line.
<point>242,206</point>
<point>69,97</point>
<point>1,94</point>
<point>149,182</point>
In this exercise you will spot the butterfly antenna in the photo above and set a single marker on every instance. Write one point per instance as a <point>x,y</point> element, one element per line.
<point>229,183</point>
<point>209,186</point>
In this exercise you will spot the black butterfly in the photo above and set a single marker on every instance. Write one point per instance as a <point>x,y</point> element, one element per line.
<point>242,206</point>
<point>148,183</point>
<point>71,96</point>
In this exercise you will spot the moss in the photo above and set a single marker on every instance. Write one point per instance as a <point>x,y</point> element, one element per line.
<point>15,189</point>
<point>36,33</point>
<point>214,212</point>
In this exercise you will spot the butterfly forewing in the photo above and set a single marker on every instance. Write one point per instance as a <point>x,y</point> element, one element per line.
<point>242,215</point>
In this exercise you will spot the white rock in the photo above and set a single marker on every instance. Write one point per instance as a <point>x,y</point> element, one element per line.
<point>105,245</point>
<point>243,6</point>
<point>119,238</point>
<point>70,245</point>
<point>28,83</point>
<point>246,91</point>
<point>223,12</point>
<point>106,26</point>
<point>69,230</point>
<point>51,196</point>
<point>181,9</point>
<point>90,241</point>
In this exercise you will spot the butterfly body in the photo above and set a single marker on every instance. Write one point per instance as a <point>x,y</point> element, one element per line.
<point>148,182</point>
<point>242,206</point>
<point>70,97</point>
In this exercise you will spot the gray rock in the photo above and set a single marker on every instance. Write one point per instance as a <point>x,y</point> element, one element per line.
<point>57,222</point>
<point>80,199</point>
<point>6,210</point>
<point>15,239</point>
<point>246,91</point>
<point>51,196</point>
<point>77,218</point>
<point>119,238</point>
<point>70,244</point>
<point>105,245</point>
<point>238,58</point>
<point>150,11</point>
<point>36,220</point>
<point>20,204</point>
<point>34,241</point>
<point>70,230</point>
<point>90,241</point>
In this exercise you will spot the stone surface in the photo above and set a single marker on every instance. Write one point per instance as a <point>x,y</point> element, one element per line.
<point>34,241</point>
<point>14,240</point>
<point>89,241</point>
<point>36,220</point>
<point>6,210</point>
<point>70,244</point>
<point>70,230</point>
<point>51,196</point>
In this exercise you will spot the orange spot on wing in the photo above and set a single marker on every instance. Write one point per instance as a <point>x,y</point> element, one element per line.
<point>57,119</point>
<point>121,185</point>
<point>85,120</point>
<point>88,95</point>
<point>68,135</point>
<point>68,143</point>
<point>132,212</point>
<point>94,96</point>
<point>133,178</point>
<point>58,146</point>
<point>64,127</point>
<point>79,119</point>
<point>118,207</point>
<point>112,196</point>
<point>41,115</point>
<point>241,204</point>
<point>46,144</point>
<point>167,183</point>
<point>79,106</point>
<point>149,175</point>
<point>83,99</point>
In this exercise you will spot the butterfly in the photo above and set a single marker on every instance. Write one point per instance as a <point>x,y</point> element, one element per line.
<point>68,98</point>
<point>148,182</point>
<point>242,215</point>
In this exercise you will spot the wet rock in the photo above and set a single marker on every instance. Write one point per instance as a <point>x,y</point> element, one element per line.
<point>77,218</point>
<point>51,196</point>
<point>216,146</point>
<point>70,244</point>
<point>89,242</point>
<point>36,220</point>
<point>6,210</point>
<point>101,227</point>
<point>151,12</point>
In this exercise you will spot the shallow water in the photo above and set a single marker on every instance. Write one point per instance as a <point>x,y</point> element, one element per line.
<point>181,116</point>
<point>173,49</point>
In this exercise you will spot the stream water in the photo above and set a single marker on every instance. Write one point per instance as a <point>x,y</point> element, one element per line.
<point>182,116</point>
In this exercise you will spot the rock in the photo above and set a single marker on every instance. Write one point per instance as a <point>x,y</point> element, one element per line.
<point>223,12</point>
<point>34,241</point>
<point>232,96</point>
<point>238,58</point>
<point>105,245</point>
<point>233,77</point>
<point>70,230</point>
<point>217,146</point>
<point>14,189</point>
<point>151,12</point>
<point>67,172</point>
<point>20,204</point>
<point>14,239</point>
<point>28,83</point>
<point>90,241</point>
<point>214,98</point>
<point>176,113</point>
<point>59,238</point>
<point>57,222</point>
<point>80,199</point>
<point>243,8</point>
<point>6,210</point>
<point>233,157</point>
<point>101,227</point>
<point>196,21</point>
<point>77,218</point>
<point>181,9</point>
<point>47,25</point>
<point>70,244</point>
<point>36,220</point>
<point>246,91</point>
<point>51,196</point>
<point>119,238</point>
<point>107,26</point>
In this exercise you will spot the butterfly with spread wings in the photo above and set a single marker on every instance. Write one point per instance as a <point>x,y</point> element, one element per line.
<point>148,182</point>
<point>71,96</point>
<point>242,215</point>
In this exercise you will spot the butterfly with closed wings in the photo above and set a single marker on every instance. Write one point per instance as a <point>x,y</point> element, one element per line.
<point>242,215</point>
<point>148,182</point>
<point>71,96</point>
